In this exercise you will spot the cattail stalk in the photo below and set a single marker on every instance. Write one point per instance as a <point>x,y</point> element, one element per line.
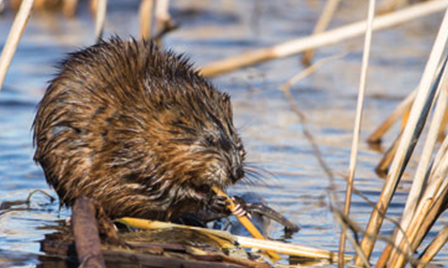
<point>408,140</point>
<point>13,39</point>
<point>357,127</point>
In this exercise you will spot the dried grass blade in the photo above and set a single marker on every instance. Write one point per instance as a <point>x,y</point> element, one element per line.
<point>250,227</point>
<point>434,247</point>
<point>418,184</point>
<point>147,8</point>
<point>280,247</point>
<point>327,38</point>
<point>415,221</point>
<point>322,24</point>
<point>357,126</point>
<point>13,39</point>
<point>100,19</point>
<point>405,105</point>
<point>412,131</point>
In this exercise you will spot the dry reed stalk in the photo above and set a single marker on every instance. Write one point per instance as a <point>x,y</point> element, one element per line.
<point>389,5</point>
<point>403,110</point>
<point>438,159</point>
<point>399,256</point>
<point>330,37</point>
<point>383,166</point>
<point>13,39</point>
<point>352,225</point>
<point>162,10</point>
<point>289,249</point>
<point>286,88</point>
<point>268,245</point>
<point>408,140</point>
<point>412,221</point>
<point>441,134</point>
<point>69,8</point>
<point>384,258</point>
<point>418,184</point>
<point>346,223</point>
<point>146,18</point>
<point>357,126</point>
<point>434,247</point>
<point>405,118</point>
<point>163,17</point>
<point>420,226</point>
<point>100,18</point>
<point>321,25</point>
<point>404,106</point>
<point>426,215</point>
<point>93,6</point>
<point>427,223</point>
<point>86,234</point>
<point>435,211</point>
<point>309,70</point>
<point>250,227</point>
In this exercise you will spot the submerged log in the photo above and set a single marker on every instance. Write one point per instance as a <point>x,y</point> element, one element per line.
<point>61,251</point>
<point>81,246</point>
<point>85,230</point>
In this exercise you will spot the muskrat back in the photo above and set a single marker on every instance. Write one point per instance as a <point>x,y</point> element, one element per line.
<point>136,129</point>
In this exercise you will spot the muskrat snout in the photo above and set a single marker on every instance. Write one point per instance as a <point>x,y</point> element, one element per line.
<point>237,173</point>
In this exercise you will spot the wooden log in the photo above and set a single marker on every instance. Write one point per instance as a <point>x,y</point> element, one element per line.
<point>63,250</point>
<point>85,230</point>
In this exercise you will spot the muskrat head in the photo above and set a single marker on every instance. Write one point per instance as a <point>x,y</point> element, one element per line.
<point>199,143</point>
<point>222,153</point>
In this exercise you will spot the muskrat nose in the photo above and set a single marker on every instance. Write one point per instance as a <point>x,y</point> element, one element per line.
<point>237,173</point>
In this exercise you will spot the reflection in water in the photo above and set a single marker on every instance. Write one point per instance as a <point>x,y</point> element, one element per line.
<point>295,185</point>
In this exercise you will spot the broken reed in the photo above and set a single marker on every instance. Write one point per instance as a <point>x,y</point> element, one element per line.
<point>357,126</point>
<point>13,39</point>
<point>334,36</point>
<point>414,214</point>
<point>322,24</point>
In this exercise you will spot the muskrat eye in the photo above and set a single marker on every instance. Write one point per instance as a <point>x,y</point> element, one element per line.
<point>210,139</point>
<point>241,150</point>
<point>242,153</point>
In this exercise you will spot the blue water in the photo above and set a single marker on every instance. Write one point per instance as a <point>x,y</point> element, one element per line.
<point>272,133</point>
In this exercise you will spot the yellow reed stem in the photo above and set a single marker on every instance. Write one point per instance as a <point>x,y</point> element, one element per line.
<point>246,222</point>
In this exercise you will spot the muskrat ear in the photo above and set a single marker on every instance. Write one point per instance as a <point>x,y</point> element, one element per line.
<point>226,104</point>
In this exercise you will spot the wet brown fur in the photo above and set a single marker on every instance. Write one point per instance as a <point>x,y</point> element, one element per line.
<point>136,129</point>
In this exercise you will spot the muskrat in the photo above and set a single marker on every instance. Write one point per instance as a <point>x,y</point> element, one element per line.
<point>138,130</point>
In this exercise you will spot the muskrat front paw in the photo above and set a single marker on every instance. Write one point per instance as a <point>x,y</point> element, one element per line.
<point>240,207</point>
<point>218,204</point>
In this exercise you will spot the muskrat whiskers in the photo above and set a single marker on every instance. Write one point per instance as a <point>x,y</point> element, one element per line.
<point>255,175</point>
<point>253,168</point>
